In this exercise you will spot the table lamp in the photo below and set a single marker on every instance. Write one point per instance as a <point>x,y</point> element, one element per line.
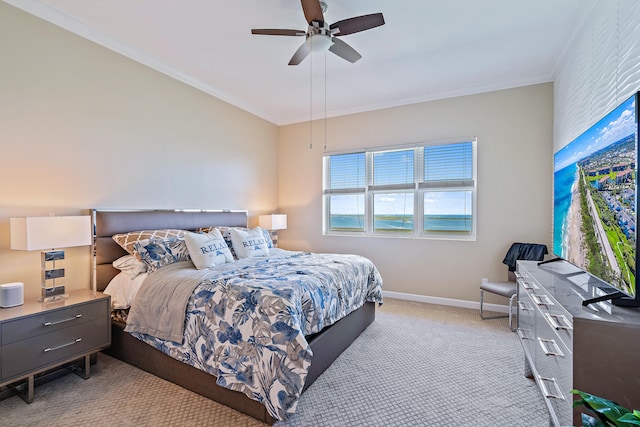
<point>48,233</point>
<point>273,223</point>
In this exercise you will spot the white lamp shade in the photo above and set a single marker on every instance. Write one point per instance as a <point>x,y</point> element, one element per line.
<point>49,232</point>
<point>273,221</point>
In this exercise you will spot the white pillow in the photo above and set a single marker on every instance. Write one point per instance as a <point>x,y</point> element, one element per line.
<point>249,243</point>
<point>130,265</point>
<point>207,249</point>
<point>123,289</point>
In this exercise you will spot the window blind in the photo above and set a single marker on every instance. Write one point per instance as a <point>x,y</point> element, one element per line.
<point>422,190</point>
<point>346,172</point>
<point>451,162</point>
<point>393,168</point>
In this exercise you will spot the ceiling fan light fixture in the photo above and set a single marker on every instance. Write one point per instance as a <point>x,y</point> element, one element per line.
<point>319,42</point>
<point>320,36</point>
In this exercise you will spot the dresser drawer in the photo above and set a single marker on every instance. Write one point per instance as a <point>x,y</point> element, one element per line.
<point>42,351</point>
<point>553,358</point>
<point>555,316</point>
<point>527,322</point>
<point>560,410</point>
<point>52,321</point>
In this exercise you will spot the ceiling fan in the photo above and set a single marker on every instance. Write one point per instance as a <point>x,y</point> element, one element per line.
<point>321,36</point>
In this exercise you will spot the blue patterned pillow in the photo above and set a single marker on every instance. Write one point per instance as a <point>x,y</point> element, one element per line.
<point>267,238</point>
<point>157,253</point>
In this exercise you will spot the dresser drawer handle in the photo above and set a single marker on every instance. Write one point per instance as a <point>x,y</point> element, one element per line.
<point>524,306</point>
<point>538,299</point>
<point>546,393</point>
<point>521,334</point>
<point>77,316</point>
<point>48,349</point>
<point>553,321</point>
<point>546,347</point>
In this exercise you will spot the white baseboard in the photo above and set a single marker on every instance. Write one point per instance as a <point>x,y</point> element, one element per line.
<point>446,301</point>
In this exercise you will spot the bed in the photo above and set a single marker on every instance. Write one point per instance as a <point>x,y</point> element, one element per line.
<point>325,345</point>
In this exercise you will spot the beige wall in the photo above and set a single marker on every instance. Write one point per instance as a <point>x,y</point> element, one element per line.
<point>514,131</point>
<point>82,127</point>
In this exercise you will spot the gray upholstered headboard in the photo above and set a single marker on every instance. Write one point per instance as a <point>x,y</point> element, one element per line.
<point>107,223</point>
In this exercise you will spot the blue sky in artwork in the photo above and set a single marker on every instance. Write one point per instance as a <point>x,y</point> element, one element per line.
<point>619,123</point>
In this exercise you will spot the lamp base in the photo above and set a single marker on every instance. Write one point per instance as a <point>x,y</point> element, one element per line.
<point>53,294</point>
<point>61,297</point>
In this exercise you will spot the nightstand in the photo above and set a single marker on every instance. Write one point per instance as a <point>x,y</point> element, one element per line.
<point>39,336</point>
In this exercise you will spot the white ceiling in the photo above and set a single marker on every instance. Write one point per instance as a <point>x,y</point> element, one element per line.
<point>428,49</point>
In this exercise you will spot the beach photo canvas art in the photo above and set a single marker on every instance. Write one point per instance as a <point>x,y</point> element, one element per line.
<point>594,219</point>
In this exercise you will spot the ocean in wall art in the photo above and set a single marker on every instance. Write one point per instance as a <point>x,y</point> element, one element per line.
<point>594,219</point>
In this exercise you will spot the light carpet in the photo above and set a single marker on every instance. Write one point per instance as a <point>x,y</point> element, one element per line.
<point>416,365</point>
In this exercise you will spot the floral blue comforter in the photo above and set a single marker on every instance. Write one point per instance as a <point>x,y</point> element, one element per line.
<point>246,322</point>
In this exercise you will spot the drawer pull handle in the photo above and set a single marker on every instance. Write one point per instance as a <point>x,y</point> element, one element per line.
<point>521,334</point>
<point>48,349</point>
<point>524,306</point>
<point>553,321</point>
<point>546,347</point>
<point>538,299</point>
<point>528,286</point>
<point>77,316</point>
<point>546,392</point>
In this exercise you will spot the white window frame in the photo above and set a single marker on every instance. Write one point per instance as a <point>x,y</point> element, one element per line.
<point>418,188</point>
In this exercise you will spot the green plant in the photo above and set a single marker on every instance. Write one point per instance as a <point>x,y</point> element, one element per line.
<point>609,413</point>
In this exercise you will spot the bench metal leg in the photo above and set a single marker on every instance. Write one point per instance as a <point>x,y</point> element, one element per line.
<point>482,316</point>
<point>501,316</point>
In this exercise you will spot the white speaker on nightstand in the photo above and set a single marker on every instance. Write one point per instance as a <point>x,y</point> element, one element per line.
<point>11,294</point>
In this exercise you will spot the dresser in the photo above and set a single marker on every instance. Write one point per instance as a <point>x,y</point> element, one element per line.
<point>38,336</point>
<point>568,346</point>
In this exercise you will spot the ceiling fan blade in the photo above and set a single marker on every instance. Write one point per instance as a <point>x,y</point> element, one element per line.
<point>357,24</point>
<point>312,11</point>
<point>277,32</point>
<point>302,52</point>
<point>344,51</point>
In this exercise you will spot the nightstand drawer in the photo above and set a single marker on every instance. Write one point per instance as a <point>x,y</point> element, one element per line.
<point>52,321</point>
<point>34,353</point>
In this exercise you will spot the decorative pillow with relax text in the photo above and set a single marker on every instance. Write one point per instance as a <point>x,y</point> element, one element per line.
<point>157,253</point>
<point>249,243</point>
<point>227,236</point>
<point>207,249</point>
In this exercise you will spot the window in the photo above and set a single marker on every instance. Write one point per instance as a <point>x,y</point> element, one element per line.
<point>425,190</point>
<point>345,182</point>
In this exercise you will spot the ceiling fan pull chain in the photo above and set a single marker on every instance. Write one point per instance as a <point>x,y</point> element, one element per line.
<point>311,104</point>
<point>325,102</point>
